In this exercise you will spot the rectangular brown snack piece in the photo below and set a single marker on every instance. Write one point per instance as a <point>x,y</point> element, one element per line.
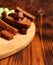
<point>24,12</point>
<point>8,27</point>
<point>25,23</point>
<point>14,15</point>
<point>7,35</point>
<point>10,21</point>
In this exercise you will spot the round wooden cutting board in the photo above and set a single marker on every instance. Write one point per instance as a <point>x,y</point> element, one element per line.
<point>20,41</point>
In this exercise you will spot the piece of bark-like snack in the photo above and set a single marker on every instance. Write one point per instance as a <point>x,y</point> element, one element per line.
<point>23,31</point>
<point>7,35</point>
<point>10,20</point>
<point>8,27</point>
<point>25,13</point>
<point>25,23</point>
<point>16,16</point>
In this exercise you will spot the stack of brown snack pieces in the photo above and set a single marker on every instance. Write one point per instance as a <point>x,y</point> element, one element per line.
<point>17,22</point>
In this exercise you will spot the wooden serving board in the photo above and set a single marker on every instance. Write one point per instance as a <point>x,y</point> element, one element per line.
<point>20,41</point>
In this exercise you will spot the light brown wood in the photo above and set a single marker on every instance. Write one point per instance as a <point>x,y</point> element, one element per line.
<point>37,51</point>
<point>9,47</point>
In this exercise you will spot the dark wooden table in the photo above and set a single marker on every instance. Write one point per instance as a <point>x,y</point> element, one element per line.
<point>33,54</point>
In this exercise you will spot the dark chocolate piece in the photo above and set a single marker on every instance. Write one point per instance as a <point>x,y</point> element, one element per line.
<point>25,23</point>
<point>10,21</point>
<point>14,15</point>
<point>22,31</point>
<point>8,27</point>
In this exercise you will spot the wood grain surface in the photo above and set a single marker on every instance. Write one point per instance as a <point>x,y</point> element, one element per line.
<point>33,54</point>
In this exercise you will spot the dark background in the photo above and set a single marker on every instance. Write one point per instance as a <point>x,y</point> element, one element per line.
<point>29,5</point>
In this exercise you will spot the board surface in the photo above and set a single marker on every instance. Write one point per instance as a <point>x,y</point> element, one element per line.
<point>20,41</point>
